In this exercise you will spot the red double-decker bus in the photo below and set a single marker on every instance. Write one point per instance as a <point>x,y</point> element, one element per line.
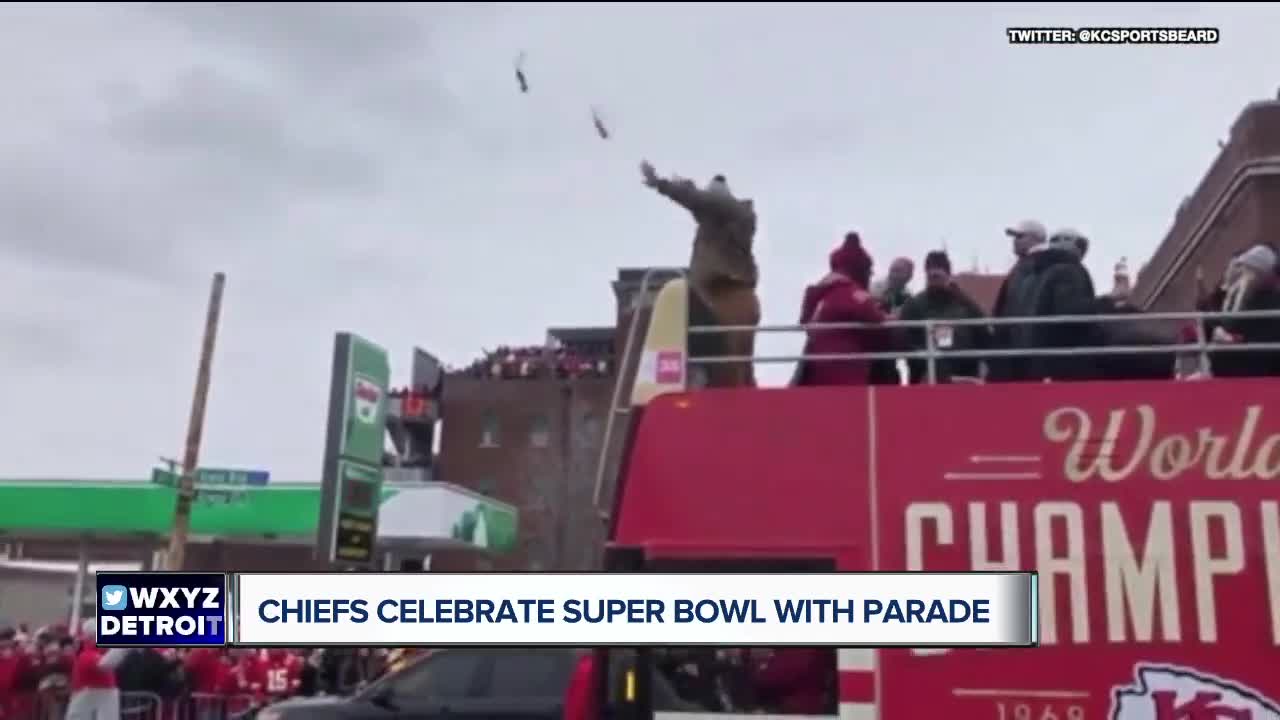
<point>1151,511</point>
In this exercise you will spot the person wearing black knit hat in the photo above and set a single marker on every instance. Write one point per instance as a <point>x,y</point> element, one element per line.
<point>942,301</point>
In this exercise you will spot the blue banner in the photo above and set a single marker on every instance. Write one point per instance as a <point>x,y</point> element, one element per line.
<point>162,609</point>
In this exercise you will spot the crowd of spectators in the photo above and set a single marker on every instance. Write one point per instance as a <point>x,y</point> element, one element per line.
<point>55,674</point>
<point>52,673</point>
<point>539,362</point>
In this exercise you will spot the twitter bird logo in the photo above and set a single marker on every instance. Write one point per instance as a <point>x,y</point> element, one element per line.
<point>114,597</point>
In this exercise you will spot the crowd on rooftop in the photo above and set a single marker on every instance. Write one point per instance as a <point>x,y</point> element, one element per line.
<point>535,362</point>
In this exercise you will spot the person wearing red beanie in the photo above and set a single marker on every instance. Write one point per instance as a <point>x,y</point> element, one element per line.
<point>841,297</point>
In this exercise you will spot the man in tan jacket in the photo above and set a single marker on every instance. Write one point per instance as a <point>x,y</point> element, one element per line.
<point>722,269</point>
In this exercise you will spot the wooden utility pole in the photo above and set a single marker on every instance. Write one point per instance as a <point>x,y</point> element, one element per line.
<point>195,429</point>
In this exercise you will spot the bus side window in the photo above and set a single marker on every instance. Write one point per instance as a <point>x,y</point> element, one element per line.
<point>777,681</point>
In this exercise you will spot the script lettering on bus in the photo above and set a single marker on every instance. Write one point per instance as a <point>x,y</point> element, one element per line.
<point>1238,454</point>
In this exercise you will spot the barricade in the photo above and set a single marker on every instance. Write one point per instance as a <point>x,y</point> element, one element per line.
<point>42,705</point>
<point>206,706</point>
<point>140,706</point>
<point>52,705</point>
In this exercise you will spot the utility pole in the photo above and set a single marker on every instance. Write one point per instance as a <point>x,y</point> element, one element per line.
<point>195,429</point>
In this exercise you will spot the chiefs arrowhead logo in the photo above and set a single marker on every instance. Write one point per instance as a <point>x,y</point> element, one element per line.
<point>1169,692</point>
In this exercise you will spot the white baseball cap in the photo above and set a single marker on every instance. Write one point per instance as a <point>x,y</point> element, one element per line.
<point>1034,228</point>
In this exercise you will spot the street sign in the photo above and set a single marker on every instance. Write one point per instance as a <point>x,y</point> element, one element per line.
<point>214,478</point>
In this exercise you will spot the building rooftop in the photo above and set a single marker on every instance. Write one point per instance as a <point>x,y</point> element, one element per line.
<point>581,335</point>
<point>982,287</point>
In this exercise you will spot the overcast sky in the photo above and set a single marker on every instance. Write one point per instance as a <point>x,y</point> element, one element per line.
<point>376,169</point>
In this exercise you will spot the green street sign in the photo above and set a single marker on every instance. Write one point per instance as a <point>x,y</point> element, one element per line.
<point>213,477</point>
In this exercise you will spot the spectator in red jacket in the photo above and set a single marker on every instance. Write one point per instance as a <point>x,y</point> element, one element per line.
<point>841,297</point>
<point>580,702</point>
<point>795,681</point>
<point>207,671</point>
<point>15,666</point>
<point>249,674</point>
<point>94,694</point>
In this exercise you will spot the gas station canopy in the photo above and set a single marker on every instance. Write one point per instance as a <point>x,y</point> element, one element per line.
<point>419,516</point>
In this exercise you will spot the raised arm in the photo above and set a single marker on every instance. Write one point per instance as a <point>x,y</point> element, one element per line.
<point>689,196</point>
<point>112,658</point>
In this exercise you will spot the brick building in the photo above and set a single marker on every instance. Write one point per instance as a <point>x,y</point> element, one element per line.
<point>1236,204</point>
<point>535,441</point>
<point>982,287</point>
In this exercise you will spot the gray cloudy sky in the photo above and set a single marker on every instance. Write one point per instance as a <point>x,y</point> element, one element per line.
<point>374,168</point>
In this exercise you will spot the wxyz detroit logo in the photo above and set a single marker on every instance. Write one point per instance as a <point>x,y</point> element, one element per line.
<point>1113,36</point>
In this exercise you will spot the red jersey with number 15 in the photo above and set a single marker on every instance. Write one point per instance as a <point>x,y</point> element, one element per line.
<point>279,673</point>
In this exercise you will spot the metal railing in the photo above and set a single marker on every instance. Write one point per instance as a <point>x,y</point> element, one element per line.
<point>932,354</point>
<point>623,372</point>
<point>57,705</point>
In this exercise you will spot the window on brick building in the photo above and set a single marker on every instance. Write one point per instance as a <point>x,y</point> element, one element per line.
<point>486,486</point>
<point>489,430</point>
<point>540,431</point>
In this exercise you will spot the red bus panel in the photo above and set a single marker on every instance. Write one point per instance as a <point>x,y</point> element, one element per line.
<point>1151,511</point>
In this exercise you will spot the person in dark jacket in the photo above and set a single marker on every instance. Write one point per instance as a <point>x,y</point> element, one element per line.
<point>1256,289</point>
<point>1212,300</point>
<point>149,671</point>
<point>841,297</point>
<point>722,269</point>
<point>1060,285</point>
<point>1014,299</point>
<point>1138,333</point>
<point>942,300</point>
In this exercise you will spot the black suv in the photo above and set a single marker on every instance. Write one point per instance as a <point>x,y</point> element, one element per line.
<point>467,684</point>
<point>528,684</point>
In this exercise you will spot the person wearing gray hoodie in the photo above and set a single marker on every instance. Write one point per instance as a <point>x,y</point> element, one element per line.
<point>1257,288</point>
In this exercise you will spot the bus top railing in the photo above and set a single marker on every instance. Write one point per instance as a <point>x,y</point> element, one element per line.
<point>1203,345</point>
<point>1139,317</point>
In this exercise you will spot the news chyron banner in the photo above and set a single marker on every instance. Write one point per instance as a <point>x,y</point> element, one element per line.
<point>585,609</point>
<point>162,609</point>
